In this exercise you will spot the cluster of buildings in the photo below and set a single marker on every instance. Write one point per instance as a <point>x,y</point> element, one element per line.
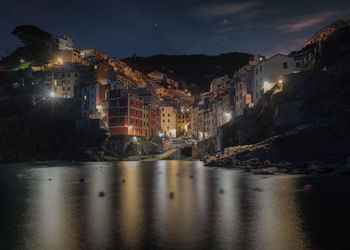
<point>110,94</point>
<point>327,31</point>
<point>229,97</point>
<point>126,102</point>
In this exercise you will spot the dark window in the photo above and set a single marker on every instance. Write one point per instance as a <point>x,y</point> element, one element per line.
<point>261,68</point>
<point>285,65</point>
<point>297,64</point>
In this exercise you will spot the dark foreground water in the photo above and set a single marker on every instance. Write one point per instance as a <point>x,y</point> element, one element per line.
<point>46,207</point>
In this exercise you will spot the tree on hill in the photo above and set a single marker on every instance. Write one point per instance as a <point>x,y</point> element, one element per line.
<point>36,49</point>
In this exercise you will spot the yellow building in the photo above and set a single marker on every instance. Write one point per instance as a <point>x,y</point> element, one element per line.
<point>168,119</point>
<point>183,125</point>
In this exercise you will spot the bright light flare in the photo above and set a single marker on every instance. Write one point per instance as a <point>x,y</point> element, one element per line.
<point>52,94</point>
<point>267,85</point>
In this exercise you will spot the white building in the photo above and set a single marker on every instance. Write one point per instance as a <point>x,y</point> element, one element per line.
<point>168,119</point>
<point>270,71</point>
<point>65,42</point>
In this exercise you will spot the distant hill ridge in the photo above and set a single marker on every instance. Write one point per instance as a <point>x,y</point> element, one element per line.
<point>191,71</point>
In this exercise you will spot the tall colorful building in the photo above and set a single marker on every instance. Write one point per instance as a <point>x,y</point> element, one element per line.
<point>125,113</point>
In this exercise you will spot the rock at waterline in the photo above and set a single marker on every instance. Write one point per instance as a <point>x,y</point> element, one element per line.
<point>123,181</point>
<point>81,180</point>
<point>101,194</point>
<point>221,191</point>
<point>171,195</point>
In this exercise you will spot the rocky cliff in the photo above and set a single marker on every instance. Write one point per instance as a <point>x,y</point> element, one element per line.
<point>307,121</point>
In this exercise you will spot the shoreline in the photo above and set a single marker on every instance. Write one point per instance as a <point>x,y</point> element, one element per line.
<point>266,167</point>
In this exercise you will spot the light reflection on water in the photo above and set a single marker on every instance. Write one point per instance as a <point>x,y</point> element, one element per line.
<point>48,208</point>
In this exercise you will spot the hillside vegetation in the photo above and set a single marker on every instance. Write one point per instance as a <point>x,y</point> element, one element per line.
<point>191,71</point>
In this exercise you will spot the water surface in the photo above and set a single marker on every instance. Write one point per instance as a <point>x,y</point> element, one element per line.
<point>46,207</point>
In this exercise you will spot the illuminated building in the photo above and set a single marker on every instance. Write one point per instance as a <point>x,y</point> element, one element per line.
<point>327,31</point>
<point>145,121</point>
<point>103,71</point>
<point>62,82</point>
<point>184,122</point>
<point>217,83</point>
<point>92,55</point>
<point>268,72</point>
<point>168,119</point>
<point>125,112</point>
<point>68,56</point>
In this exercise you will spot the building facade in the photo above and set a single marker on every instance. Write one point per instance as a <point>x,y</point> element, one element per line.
<point>125,113</point>
<point>64,42</point>
<point>168,120</point>
<point>270,71</point>
<point>63,83</point>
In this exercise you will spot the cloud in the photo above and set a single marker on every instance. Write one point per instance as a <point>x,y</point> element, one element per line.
<point>303,22</point>
<point>215,10</point>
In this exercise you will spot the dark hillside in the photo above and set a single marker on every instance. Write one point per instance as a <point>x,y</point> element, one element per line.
<point>191,71</point>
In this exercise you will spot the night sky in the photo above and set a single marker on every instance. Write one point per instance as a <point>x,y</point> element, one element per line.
<point>148,27</point>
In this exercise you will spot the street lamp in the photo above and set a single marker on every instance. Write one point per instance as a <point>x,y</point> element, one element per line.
<point>52,94</point>
<point>267,85</point>
<point>60,61</point>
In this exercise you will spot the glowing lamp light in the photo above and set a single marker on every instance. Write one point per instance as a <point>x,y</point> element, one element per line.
<point>60,61</point>
<point>267,85</point>
<point>280,81</point>
<point>21,61</point>
<point>52,94</point>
